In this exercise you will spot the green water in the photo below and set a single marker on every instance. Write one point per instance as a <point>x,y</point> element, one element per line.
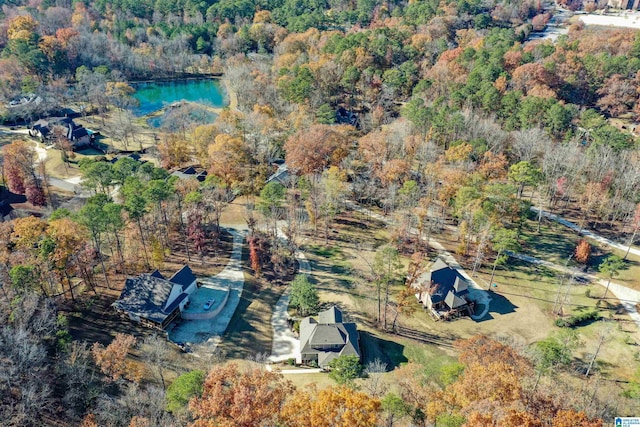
<point>155,96</point>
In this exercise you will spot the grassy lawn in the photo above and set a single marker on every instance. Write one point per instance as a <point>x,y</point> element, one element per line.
<point>250,332</point>
<point>142,136</point>
<point>630,276</point>
<point>532,291</point>
<point>555,243</point>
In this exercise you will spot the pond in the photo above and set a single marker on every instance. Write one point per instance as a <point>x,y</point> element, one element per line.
<point>155,96</point>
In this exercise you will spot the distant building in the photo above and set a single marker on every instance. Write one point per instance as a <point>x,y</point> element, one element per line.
<point>77,135</point>
<point>346,117</point>
<point>191,172</point>
<point>24,100</point>
<point>281,176</point>
<point>323,340</point>
<point>443,290</point>
<point>132,156</point>
<point>5,211</point>
<point>624,4</point>
<point>155,301</point>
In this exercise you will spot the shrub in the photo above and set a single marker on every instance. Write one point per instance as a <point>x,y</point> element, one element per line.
<point>577,319</point>
<point>183,389</point>
<point>345,369</point>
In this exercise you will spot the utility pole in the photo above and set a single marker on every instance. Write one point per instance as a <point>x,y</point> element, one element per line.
<point>555,305</point>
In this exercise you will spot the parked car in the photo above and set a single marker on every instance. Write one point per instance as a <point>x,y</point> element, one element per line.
<point>209,303</point>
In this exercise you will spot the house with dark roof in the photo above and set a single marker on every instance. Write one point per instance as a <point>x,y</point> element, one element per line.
<point>77,135</point>
<point>329,337</point>
<point>191,172</point>
<point>155,301</point>
<point>281,175</point>
<point>442,289</point>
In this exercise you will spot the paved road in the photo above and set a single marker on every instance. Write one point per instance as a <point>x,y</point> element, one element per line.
<point>628,297</point>
<point>206,334</point>
<point>285,344</point>
<point>586,232</point>
<point>476,292</point>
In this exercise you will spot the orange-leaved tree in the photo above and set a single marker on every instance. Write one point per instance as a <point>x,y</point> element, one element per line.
<point>491,390</point>
<point>583,251</point>
<point>112,360</point>
<point>310,151</point>
<point>333,406</point>
<point>228,159</point>
<point>232,397</point>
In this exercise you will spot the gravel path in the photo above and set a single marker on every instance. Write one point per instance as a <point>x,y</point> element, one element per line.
<point>588,233</point>
<point>628,297</point>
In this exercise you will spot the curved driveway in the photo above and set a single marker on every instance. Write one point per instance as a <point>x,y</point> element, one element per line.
<point>208,332</point>
<point>285,344</point>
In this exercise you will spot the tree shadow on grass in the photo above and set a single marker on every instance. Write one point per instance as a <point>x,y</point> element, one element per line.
<point>374,347</point>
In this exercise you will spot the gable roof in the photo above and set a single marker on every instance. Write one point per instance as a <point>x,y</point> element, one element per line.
<point>327,338</point>
<point>5,208</point>
<point>281,175</point>
<point>454,301</point>
<point>332,315</point>
<point>145,296</point>
<point>157,274</point>
<point>78,132</point>
<point>191,172</point>
<point>183,277</point>
<point>443,280</point>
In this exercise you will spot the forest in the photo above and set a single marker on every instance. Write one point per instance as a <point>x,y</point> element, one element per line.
<point>400,124</point>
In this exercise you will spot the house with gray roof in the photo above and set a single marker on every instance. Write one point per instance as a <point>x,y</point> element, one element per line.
<point>77,135</point>
<point>281,175</point>
<point>191,172</point>
<point>329,337</point>
<point>155,301</point>
<point>442,289</point>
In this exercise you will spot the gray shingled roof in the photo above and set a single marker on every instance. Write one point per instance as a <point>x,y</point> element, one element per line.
<point>314,336</point>
<point>446,280</point>
<point>454,301</point>
<point>281,175</point>
<point>183,277</point>
<point>332,315</point>
<point>145,296</point>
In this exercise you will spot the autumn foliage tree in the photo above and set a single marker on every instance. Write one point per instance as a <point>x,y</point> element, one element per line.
<point>233,397</point>
<point>583,251</point>
<point>254,256</point>
<point>333,406</point>
<point>492,390</point>
<point>228,158</point>
<point>20,173</point>
<point>112,360</point>
<point>311,150</point>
